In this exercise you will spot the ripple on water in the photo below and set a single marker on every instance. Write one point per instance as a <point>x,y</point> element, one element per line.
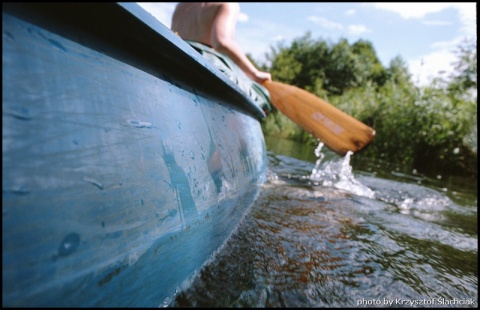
<point>305,244</point>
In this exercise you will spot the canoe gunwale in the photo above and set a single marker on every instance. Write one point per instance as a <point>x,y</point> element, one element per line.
<point>126,32</point>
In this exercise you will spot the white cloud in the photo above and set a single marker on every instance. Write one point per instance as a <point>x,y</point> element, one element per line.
<point>436,23</point>
<point>324,22</point>
<point>468,17</point>
<point>243,18</point>
<point>350,12</point>
<point>439,62</point>
<point>433,65</point>
<point>412,9</point>
<point>467,12</point>
<point>160,10</point>
<point>446,45</point>
<point>257,43</point>
<point>357,29</point>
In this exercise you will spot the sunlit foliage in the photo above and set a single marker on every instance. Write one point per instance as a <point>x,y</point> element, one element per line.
<point>432,128</point>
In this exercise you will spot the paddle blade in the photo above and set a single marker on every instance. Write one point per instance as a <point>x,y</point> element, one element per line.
<point>339,131</point>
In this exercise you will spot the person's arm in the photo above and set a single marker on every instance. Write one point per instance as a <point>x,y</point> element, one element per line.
<point>223,40</point>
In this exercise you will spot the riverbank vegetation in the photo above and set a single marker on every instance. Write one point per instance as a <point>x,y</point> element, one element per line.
<point>432,129</point>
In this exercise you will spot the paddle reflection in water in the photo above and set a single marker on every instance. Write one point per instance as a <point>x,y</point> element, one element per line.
<point>318,236</point>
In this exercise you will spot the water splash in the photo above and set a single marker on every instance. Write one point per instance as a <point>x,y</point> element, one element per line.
<point>337,173</point>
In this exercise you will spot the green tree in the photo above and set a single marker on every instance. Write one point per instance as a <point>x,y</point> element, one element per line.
<point>326,69</point>
<point>369,67</point>
<point>464,77</point>
<point>432,129</point>
<point>397,71</point>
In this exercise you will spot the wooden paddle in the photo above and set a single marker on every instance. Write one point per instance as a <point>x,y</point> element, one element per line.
<point>339,131</point>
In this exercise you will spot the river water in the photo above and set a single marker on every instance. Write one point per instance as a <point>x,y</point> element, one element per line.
<point>334,232</point>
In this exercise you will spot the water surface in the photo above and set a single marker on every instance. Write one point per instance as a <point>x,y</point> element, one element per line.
<point>323,234</point>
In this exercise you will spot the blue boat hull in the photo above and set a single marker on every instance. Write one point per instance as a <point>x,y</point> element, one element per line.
<point>120,177</point>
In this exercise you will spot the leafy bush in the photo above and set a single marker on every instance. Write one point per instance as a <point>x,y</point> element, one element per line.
<point>431,129</point>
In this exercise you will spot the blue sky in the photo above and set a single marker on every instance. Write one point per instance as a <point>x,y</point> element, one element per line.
<point>425,35</point>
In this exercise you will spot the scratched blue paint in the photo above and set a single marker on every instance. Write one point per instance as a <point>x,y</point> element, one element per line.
<point>180,185</point>
<point>99,206</point>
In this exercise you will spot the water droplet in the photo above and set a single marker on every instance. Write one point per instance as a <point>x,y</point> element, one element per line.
<point>19,189</point>
<point>139,124</point>
<point>94,182</point>
<point>19,112</point>
<point>166,302</point>
<point>69,244</point>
